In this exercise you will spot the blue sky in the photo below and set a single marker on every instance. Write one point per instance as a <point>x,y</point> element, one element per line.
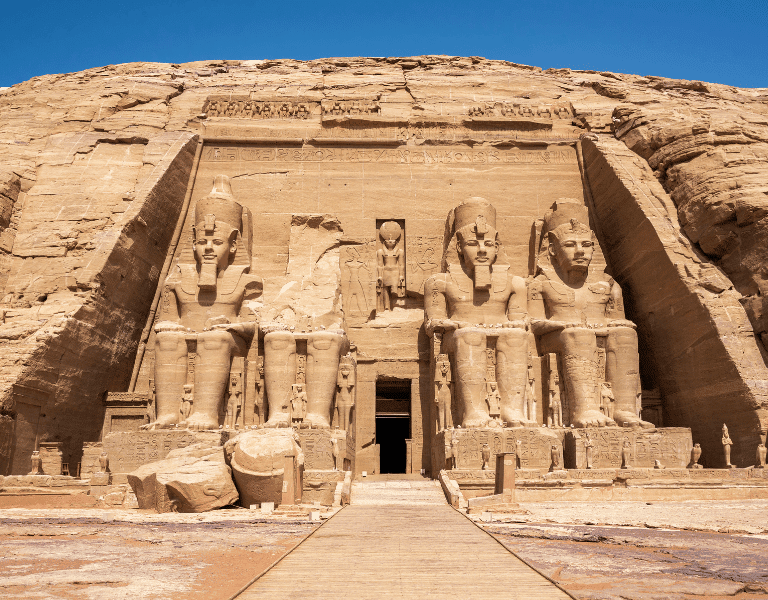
<point>724,42</point>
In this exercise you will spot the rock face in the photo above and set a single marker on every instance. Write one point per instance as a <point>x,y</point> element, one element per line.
<point>95,168</point>
<point>258,463</point>
<point>191,479</point>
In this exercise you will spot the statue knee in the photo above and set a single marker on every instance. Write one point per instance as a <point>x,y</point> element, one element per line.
<point>622,337</point>
<point>512,339</point>
<point>279,340</point>
<point>578,336</point>
<point>169,341</point>
<point>326,340</point>
<point>469,337</point>
<point>215,340</point>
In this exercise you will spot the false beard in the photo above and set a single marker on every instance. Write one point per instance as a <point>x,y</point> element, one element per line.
<point>482,277</point>
<point>207,280</point>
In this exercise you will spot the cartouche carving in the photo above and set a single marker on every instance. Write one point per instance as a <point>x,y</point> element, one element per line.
<point>570,306</point>
<point>475,299</point>
<point>205,307</point>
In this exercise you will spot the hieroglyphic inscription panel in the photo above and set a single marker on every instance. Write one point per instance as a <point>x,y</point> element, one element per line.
<point>358,281</point>
<point>534,449</point>
<point>670,445</point>
<point>317,448</point>
<point>424,255</point>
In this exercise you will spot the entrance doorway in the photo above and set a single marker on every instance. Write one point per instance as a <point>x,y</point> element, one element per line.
<point>393,423</point>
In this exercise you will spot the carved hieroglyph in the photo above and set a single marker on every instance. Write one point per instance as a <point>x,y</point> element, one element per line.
<point>571,307</point>
<point>203,309</point>
<point>477,298</point>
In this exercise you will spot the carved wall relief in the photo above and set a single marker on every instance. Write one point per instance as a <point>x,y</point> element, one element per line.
<point>358,282</point>
<point>246,108</point>
<point>390,265</point>
<point>424,255</point>
<point>514,109</point>
<point>350,107</point>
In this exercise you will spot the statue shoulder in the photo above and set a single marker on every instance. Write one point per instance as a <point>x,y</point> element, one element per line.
<point>253,285</point>
<point>437,281</point>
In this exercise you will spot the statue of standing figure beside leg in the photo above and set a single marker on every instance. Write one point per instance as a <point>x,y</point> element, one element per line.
<point>474,298</point>
<point>205,306</point>
<point>570,306</point>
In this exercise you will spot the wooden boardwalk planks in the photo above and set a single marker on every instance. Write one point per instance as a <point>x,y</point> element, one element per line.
<point>393,549</point>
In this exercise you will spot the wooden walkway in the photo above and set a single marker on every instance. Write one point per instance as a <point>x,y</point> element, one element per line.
<point>399,539</point>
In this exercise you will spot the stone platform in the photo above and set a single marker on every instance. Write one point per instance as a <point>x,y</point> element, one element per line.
<point>643,484</point>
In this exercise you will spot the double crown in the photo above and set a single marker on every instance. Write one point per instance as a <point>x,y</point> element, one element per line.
<point>567,212</point>
<point>477,212</point>
<point>218,206</point>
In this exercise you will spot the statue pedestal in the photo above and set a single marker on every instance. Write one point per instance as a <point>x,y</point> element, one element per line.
<point>533,452</point>
<point>669,445</point>
<point>317,446</point>
<point>128,450</point>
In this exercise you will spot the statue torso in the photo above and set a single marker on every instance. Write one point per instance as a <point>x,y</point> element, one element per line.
<point>587,302</point>
<point>465,303</point>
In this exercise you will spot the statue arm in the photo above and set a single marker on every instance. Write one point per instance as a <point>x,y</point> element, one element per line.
<point>401,265</point>
<point>540,324</point>
<point>614,311</point>
<point>379,266</point>
<point>169,313</point>
<point>435,305</point>
<point>517,306</point>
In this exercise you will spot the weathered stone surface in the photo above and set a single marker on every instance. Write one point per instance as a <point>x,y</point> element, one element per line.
<point>94,167</point>
<point>191,479</point>
<point>258,463</point>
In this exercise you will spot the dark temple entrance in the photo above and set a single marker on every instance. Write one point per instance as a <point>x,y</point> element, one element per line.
<point>393,423</point>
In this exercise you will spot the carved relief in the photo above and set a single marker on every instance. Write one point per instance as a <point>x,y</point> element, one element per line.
<point>245,108</point>
<point>514,109</point>
<point>424,253</point>
<point>350,107</point>
<point>358,277</point>
<point>345,396</point>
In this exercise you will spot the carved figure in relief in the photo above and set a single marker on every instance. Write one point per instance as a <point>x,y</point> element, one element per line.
<point>530,395</point>
<point>103,462</point>
<point>186,402</point>
<point>474,298</point>
<point>606,399</point>
<point>569,306</point>
<point>235,403</point>
<point>335,452</point>
<point>589,445</point>
<point>425,266</point>
<point>554,454</point>
<point>727,443</point>
<point>493,399</point>
<point>298,403</point>
<point>626,455</point>
<point>443,396</point>
<point>345,396</point>
<point>455,452</point>
<point>208,305</point>
<point>260,405</point>
<point>486,454</point>
<point>356,289</point>
<point>390,272</point>
<point>555,417</point>
<point>761,455</point>
<point>320,375</point>
<point>695,456</point>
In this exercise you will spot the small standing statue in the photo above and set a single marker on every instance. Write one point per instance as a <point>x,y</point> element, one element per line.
<point>390,272</point>
<point>555,418</point>
<point>103,462</point>
<point>761,454</point>
<point>695,456</point>
<point>298,403</point>
<point>443,393</point>
<point>344,399</point>
<point>493,400</point>
<point>626,456</point>
<point>588,449</point>
<point>639,399</point>
<point>186,402</point>
<point>448,454</point>
<point>258,409</point>
<point>486,453</point>
<point>606,399</point>
<point>727,443</point>
<point>235,403</point>
<point>455,452</point>
<point>555,456</point>
<point>37,463</point>
<point>335,451</point>
<point>530,395</point>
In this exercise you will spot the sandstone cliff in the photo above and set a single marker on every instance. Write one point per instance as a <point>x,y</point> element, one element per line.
<point>94,167</point>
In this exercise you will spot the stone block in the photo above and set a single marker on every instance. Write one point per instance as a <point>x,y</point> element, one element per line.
<point>670,445</point>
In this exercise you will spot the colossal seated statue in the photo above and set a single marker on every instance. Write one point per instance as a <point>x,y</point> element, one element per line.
<point>204,311</point>
<point>575,311</point>
<point>473,301</point>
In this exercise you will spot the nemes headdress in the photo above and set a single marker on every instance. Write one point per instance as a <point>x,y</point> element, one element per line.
<point>475,214</point>
<point>565,216</point>
<point>219,206</point>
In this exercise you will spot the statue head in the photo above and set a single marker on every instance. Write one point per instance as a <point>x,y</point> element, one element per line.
<point>390,233</point>
<point>187,388</point>
<point>571,241</point>
<point>477,238</point>
<point>218,220</point>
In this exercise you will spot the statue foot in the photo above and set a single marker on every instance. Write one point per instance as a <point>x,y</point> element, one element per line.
<point>201,422</point>
<point>516,418</point>
<point>593,418</point>
<point>277,421</point>
<point>475,420</point>
<point>163,422</point>
<point>628,419</point>
<point>317,421</point>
